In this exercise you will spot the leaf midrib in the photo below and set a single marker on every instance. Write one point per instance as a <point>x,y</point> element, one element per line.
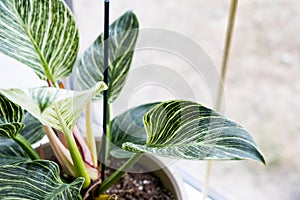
<point>191,145</point>
<point>198,143</point>
<point>37,49</point>
<point>121,57</point>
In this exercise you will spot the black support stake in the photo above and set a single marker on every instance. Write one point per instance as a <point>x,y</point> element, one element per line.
<point>105,94</point>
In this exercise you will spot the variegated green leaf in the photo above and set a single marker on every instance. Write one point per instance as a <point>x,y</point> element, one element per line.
<point>11,116</point>
<point>129,127</point>
<point>188,130</point>
<point>53,107</point>
<point>8,159</point>
<point>40,34</point>
<point>33,130</point>
<point>36,180</point>
<point>10,130</point>
<point>123,36</point>
<point>10,152</point>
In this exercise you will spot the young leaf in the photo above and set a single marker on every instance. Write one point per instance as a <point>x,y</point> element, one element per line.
<point>11,117</point>
<point>123,36</point>
<point>188,130</point>
<point>40,34</point>
<point>49,104</point>
<point>36,180</point>
<point>129,127</point>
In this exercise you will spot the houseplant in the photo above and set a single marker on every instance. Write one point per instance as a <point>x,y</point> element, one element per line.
<point>43,35</point>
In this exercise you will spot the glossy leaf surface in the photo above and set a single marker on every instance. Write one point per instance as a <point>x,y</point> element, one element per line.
<point>188,130</point>
<point>129,127</point>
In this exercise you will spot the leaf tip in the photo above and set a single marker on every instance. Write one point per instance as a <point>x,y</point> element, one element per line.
<point>262,159</point>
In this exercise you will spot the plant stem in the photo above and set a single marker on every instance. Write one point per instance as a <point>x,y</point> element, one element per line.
<point>77,159</point>
<point>206,179</point>
<point>60,151</point>
<point>224,66</point>
<point>118,174</point>
<point>20,140</point>
<point>79,166</point>
<point>90,139</point>
<point>108,132</point>
<point>106,114</point>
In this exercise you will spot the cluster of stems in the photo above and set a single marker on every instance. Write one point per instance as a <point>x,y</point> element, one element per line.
<point>79,166</point>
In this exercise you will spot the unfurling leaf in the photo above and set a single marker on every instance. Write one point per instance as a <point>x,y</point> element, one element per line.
<point>188,130</point>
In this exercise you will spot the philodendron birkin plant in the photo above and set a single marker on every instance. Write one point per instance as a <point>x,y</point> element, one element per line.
<point>43,35</point>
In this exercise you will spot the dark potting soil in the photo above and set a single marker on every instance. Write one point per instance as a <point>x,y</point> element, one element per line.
<point>139,186</point>
<point>136,186</point>
<point>132,186</point>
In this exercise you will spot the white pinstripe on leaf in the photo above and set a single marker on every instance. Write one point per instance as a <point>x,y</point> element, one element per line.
<point>187,130</point>
<point>41,34</point>
<point>129,127</point>
<point>11,116</point>
<point>45,103</point>
<point>123,36</point>
<point>36,180</point>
